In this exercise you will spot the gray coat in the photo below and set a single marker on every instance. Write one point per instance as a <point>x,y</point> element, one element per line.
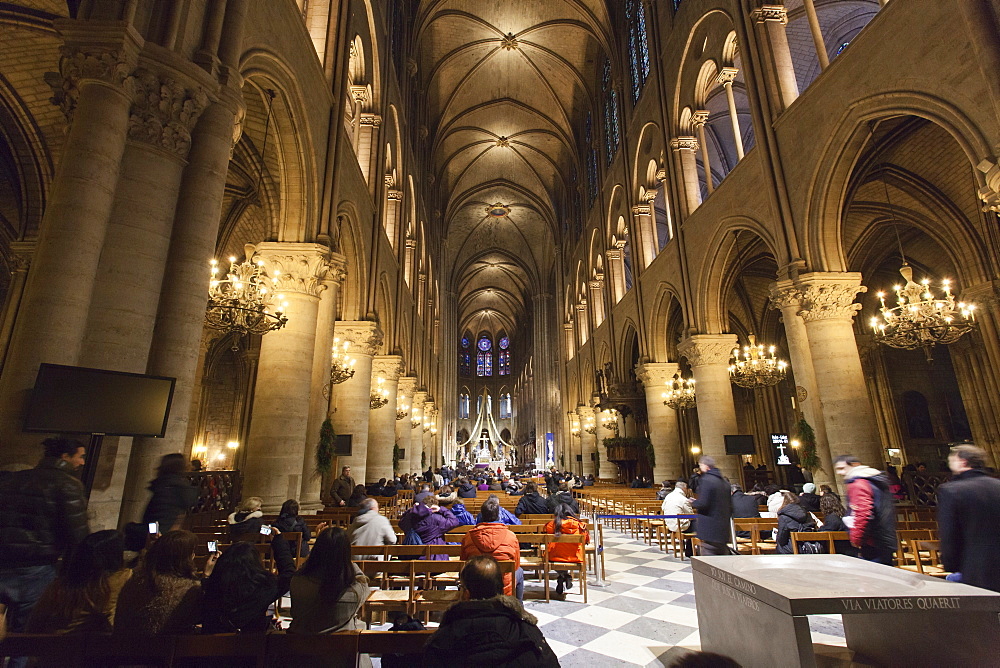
<point>371,529</point>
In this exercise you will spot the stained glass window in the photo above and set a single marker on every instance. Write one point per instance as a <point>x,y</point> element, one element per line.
<point>505,407</point>
<point>465,342</point>
<point>463,407</point>
<point>635,14</point>
<point>504,343</point>
<point>505,363</point>
<point>612,130</point>
<point>484,358</point>
<point>485,343</point>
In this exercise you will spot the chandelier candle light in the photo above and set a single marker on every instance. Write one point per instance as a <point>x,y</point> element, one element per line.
<point>341,365</point>
<point>403,411</point>
<point>379,396</point>
<point>921,320</point>
<point>680,396</point>
<point>244,302</point>
<point>756,369</point>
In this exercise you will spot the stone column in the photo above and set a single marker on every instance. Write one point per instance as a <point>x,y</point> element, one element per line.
<point>319,407</point>
<point>817,33</point>
<point>828,308</point>
<point>597,299</point>
<point>685,147</point>
<point>772,20</point>
<point>698,120</point>
<point>582,321</point>
<point>180,317</point>
<point>429,439</point>
<point>276,447</point>
<point>786,297</point>
<point>607,468</point>
<point>569,342</point>
<point>709,355</point>
<point>655,378</point>
<point>405,387</point>
<point>417,432</point>
<point>588,442</point>
<point>726,77</point>
<point>645,231</point>
<point>382,422</point>
<point>616,272</point>
<point>352,398</point>
<point>368,148</point>
<point>393,202</point>
<point>90,89</point>
<point>21,253</point>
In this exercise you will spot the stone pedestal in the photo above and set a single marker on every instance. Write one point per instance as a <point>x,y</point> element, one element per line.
<point>828,308</point>
<point>656,378</point>
<point>351,398</point>
<point>382,421</point>
<point>709,355</point>
<point>277,443</point>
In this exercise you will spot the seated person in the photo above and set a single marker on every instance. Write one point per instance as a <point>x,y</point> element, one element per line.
<point>488,628</point>
<point>289,521</point>
<point>564,495</point>
<point>493,538</point>
<point>744,505</point>
<point>466,490</point>
<point>329,590</point>
<point>357,496</point>
<point>505,515</point>
<point>791,517</point>
<point>808,499</point>
<point>833,520</point>
<point>775,499</point>
<point>677,503</point>
<point>245,523</point>
<point>531,502</point>
<point>370,528</point>
<point>565,522</point>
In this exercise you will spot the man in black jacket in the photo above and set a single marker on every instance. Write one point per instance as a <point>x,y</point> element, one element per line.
<point>969,521</point>
<point>715,509</point>
<point>43,514</point>
<point>490,629</point>
<point>532,503</point>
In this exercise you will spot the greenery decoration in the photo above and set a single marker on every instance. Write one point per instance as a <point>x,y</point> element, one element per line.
<point>395,457</point>
<point>324,449</point>
<point>807,440</point>
<point>423,460</point>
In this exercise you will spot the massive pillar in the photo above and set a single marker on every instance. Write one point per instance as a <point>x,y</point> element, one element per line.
<point>55,304</point>
<point>709,355</point>
<point>588,441</point>
<point>382,423</point>
<point>663,432</point>
<point>417,463</point>
<point>276,446</point>
<point>405,387</point>
<point>607,469</point>
<point>352,398</point>
<point>546,376</point>
<point>828,308</point>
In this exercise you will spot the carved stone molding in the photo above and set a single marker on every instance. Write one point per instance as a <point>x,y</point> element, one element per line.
<point>359,93</point>
<point>614,253</point>
<point>597,284</point>
<point>699,118</point>
<point>655,375</point>
<point>374,120</point>
<point>642,210</point>
<point>300,267</point>
<point>767,13</point>
<point>986,295</point>
<point>21,253</point>
<point>703,349</point>
<point>684,144</point>
<point>407,384</point>
<point>164,112</point>
<point>727,75</point>
<point>337,272</point>
<point>364,335</point>
<point>826,296</point>
<point>388,367</point>
<point>79,63</point>
<point>661,173</point>
<point>785,294</point>
<point>394,195</point>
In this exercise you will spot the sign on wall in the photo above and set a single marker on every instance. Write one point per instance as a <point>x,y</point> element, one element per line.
<point>781,448</point>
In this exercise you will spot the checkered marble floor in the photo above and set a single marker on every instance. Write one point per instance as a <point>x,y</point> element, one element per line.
<point>645,616</point>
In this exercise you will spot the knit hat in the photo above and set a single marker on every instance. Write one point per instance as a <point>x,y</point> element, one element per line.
<point>808,488</point>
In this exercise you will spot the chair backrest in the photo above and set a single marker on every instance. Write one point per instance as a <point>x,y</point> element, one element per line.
<point>450,550</point>
<point>220,645</point>
<point>117,650</point>
<point>379,572</point>
<point>393,642</point>
<point>367,551</point>
<point>337,650</point>
<point>62,650</point>
<point>405,551</point>
<point>294,539</point>
<point>829,537</point>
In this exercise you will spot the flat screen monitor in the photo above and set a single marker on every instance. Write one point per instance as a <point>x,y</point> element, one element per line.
<point>78,400</point>
<point>739,444</point>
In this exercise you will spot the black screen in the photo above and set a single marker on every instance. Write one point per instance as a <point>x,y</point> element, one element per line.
<point>77,400</point>
<point>740,444</point>
<point>342,445</point>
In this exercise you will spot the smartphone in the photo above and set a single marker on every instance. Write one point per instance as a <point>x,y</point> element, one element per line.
<point>265,529</point>
<point>213,547</point>
<point>154,527</point>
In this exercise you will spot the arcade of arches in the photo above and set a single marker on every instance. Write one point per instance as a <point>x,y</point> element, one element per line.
<point>518,214</point>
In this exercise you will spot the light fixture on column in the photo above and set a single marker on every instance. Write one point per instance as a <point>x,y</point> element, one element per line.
<point>341,364</point>
<point>590,426</point>
<point>756,369</point>
<point>609,420</point>
<point>680,396</point>
<point>403,411</point>
<point>244,302</point>
<point>379,396</point>
<point>414,420</point>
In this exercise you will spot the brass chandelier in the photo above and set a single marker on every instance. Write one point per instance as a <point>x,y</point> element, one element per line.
<point>379,396</point>
<point>341,364</point>
<point>590,426</point>
<point>244,302</point>
<point>402,412</point>
<point>756,369</point>
<point>680,396</point>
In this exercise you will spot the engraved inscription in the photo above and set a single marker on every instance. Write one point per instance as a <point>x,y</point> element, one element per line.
<point>737,596</point>
<point>733,581</point>
<point>901,604</point>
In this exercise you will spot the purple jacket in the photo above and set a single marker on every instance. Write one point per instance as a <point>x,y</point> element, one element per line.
<point>431,527</point>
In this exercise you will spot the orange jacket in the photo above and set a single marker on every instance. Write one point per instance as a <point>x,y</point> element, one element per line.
<point>567,552</point>
<point>497,541</point>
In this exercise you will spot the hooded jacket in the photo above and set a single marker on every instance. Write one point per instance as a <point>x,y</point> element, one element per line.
<point>792,517</point>
<point>871,504</point>
<point>466,491</point>
<point>532,503</point>
<point>496,632</point>
<point>173,497</point>
<point>430,526</point>
<point>497,541</point>
<point>462,514</point>
<point>242,523</point>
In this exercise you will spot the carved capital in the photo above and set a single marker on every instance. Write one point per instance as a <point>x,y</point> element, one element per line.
<point>298,267</point>
<point>597,284</point>
<point>990,193</point>
<point>613,254</point>
<point>655,374</point>
<point>986,296</point>
<point>684,144</point>
<point>727,75</point>
<point>337,272</point>
<point>661,174</point>
<point>21,253</point>
<point>699,118</point>
<point>704,349</point>
<point>826,296</point>
<point>108,64</point>
<point>407,384</point>
<point>364,335</point>
<point>359,93</point>
<point>394,195</point>
<point>411,67</point>
<point>769,13</point>
<point>785,295</point>
<point>374,120</point>
<point>164,112</point>
<point>388,367</point>
<point>642,210</point>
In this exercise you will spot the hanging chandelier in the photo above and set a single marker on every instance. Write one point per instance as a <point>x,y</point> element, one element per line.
<point>379,396</point>
<point>590,427</point>
<point>415,420</point>
<point>680,396</point>
<point>244,301</point>
<point>403,411</point>
<point>341,364</point>
<point>920,319</point>
<point>756,369</point>
<point>609,420</point>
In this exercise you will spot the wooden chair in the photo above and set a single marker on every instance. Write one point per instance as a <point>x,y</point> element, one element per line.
<point>250,647</point>
<point>368,552</point>
<point>393,642</point>
<point>123,650</point>
<point>433,572</point>
<point>334,650</point>
<point>389,574</point>
<point>906,552</point>
<point>561,566</point>
<point>932,566</point>
<point>829,537</point>
<point>61,650</point>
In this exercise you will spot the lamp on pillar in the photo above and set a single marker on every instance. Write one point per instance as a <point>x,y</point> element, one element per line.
<point>403,411</point>
<point>341,364</point>
<point>681,395</point>
<point>379,396</point>
<point>609,420</point>
<point>244,302</point>
<point>756,369</point>
<point>590,426</point>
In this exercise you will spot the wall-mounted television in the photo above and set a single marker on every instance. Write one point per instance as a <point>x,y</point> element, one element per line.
<point>739,444</point>
<point>78,400</point>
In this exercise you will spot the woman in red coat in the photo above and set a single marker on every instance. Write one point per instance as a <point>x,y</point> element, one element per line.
<point>567,523</point>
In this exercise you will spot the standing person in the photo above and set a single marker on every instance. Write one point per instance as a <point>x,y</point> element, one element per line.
<point>342,487</point>
<point>969,520</point>
<point>873,516</point>
<point>492,537</point>
<point>715,509</point>
<point>43,515</point>
<point>566,522</point>
<point>173,494</point>
<point>289,521</point>
<point>694,480</point>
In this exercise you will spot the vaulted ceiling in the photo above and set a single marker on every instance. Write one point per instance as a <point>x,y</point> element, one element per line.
<point>507,85</point>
